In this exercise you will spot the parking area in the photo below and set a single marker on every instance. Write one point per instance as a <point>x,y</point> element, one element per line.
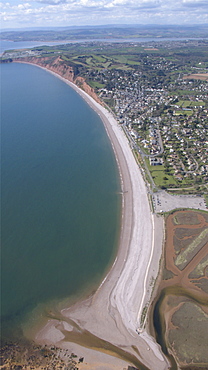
<point>164,202</point>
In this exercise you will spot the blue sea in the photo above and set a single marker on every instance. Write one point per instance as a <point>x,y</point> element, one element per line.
<point>60,199</point>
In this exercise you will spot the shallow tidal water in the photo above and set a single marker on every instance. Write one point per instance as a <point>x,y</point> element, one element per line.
<point>60,194</point>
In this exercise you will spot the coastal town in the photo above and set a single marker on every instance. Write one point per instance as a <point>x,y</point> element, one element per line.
<point>166,122</point>
<point>158,92</point>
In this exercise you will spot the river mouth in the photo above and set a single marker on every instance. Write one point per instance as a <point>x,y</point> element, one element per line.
<point>87,339</point>
<point>22,344</point>
<point>182,301</point>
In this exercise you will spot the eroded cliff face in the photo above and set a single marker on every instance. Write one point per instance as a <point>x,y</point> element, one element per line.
<point>80,82</point>
<point>57,65</point>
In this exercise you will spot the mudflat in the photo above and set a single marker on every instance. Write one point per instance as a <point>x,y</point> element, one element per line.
<point>183,294</point>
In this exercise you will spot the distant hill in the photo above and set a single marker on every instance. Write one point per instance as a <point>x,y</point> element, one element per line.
<point>105,32</point>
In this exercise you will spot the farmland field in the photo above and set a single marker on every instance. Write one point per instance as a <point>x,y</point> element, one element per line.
<point>197,76</point>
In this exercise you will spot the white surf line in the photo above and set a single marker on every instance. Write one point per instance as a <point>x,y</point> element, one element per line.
<point>140,328</point>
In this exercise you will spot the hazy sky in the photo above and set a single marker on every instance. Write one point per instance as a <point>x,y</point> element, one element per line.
<point>36,13</point>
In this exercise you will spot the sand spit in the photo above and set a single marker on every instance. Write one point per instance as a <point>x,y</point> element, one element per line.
<point>105,327</point>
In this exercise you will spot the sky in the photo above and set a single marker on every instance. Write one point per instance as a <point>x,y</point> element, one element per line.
<point>64,13</point>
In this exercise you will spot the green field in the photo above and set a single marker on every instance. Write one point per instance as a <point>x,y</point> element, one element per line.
<point>184,111</point>
<point>99,62</point>
<point>95,84</point>
<point>160,177</point>
<point>190,104</point>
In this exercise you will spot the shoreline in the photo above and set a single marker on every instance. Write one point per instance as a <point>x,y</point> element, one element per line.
<point>114,312</point>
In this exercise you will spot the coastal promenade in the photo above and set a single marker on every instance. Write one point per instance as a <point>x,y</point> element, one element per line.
<point>108,329</point>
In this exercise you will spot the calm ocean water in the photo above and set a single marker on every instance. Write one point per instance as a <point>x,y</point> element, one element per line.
<point>60,201</point>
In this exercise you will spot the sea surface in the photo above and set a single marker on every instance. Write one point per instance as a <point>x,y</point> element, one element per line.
<point>60,194</point>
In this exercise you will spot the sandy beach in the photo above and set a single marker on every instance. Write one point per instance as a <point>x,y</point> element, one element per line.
<point>108,329</point>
